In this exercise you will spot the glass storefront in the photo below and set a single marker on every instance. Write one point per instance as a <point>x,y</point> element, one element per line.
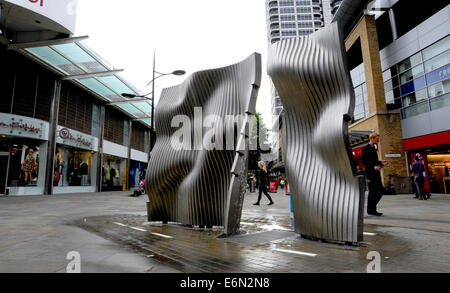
<point>73,167</point>
<point>137,173</point>
<point>437,167</point>
<point>114,173</point>
<point>24,165</point>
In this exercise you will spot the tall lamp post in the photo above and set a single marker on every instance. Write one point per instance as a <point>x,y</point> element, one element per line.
<point>152,99</point>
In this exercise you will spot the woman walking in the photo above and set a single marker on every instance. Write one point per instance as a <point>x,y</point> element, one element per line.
<point>262,175</point>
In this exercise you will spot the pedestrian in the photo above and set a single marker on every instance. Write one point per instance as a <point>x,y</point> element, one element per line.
<point>373,172</point>
<point>282,183</point>
<point>417,170</point>
<point>262,177</point>
<point>424,176</point>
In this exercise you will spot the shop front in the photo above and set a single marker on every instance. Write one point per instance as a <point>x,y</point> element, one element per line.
<point>23,155</point>
<point>434,151</point>
<point>138,168</point>
<point>114,167</point>
<point>74,169</point>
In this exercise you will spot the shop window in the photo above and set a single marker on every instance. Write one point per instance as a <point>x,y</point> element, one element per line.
<point>438,169</point>
<point>24,163</point>
<point>137,173</point>
<point>112,173</point>
<point>73,167</point>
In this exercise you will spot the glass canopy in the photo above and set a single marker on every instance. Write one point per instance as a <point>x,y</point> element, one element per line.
<point>78,63</point>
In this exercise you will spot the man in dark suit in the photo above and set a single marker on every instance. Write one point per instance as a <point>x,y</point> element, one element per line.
<point>373,168</point>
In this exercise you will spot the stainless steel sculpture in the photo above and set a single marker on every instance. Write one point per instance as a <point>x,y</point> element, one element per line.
<point>313,82</point>
<point>200,186</point>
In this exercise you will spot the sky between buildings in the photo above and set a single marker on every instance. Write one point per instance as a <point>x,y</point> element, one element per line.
<point>189,35</point>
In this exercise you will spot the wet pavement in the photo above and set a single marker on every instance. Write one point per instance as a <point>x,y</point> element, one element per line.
<point>270,246</point>
<point>112,235</point>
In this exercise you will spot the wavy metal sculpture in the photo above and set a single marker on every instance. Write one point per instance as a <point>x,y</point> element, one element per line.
<point>203,187</point>
<point>313,82</point>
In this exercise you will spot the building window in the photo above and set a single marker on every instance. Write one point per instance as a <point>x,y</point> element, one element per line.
<point>415,97</point>
<point>411,74</point>
<point>287,10</point>
<point>287,17</point>
<point>415,110</point>
<point>286,3</point>
<point>289,33</point>
<point>304,17</point>
<point>437,48</point>
<point>410,62</point>
<point>437,61</point>
<point>303,9</point>
<point>288,25</point>
<point>361,102</point>
<point>413,86</point>
<point>305,24</point>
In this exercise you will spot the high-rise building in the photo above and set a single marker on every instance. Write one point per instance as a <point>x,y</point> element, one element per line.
<point>290,19</point>
<point>295,18</point>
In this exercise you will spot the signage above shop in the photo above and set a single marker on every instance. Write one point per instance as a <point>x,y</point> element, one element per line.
<point>60,13</point>
<point>76,139</point>
<point>14,125</point>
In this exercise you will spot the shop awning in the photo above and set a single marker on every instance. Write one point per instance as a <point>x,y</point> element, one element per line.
<point>75,62</point>
<point>358,138</point>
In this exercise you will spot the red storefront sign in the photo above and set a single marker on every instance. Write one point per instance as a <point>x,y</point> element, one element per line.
<point>425,141</point>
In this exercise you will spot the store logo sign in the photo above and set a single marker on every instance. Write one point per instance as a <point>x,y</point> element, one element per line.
<point>22,126</point>
<point>77,138</point>
<point>64,133</point>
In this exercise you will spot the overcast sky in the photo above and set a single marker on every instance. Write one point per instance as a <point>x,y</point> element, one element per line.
<point>190,35</point>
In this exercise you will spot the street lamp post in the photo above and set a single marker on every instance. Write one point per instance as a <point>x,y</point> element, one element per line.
<point>152,99</point>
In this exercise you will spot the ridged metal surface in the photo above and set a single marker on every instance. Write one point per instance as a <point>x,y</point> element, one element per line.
<point>312,79</point>
<point>203,187</point>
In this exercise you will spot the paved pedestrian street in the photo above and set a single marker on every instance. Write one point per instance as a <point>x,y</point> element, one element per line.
<point>111,233</point>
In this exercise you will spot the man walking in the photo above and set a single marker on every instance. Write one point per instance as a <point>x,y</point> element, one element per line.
<point>418,169</point>
<point>373,168</point>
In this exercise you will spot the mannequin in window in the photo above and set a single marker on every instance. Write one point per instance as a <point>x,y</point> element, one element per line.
<point>108,177</point>
<point>137,175</point>
<point>84,170</point>
<point>57,170</point>
<point>28,166</point>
